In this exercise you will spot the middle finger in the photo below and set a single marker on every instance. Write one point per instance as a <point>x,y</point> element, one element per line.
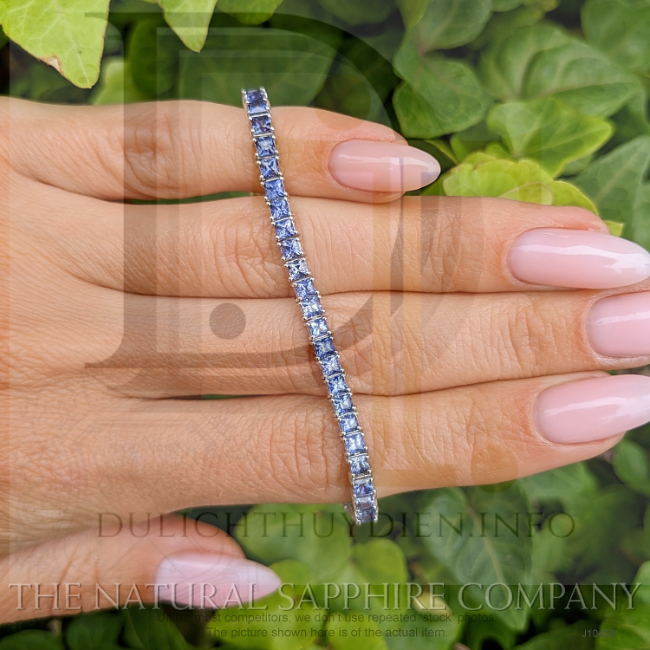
<point>227,249</point>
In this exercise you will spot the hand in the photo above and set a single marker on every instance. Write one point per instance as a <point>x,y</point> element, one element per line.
<point>467,366</point>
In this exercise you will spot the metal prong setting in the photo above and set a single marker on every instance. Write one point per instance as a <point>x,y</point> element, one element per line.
<point>363,507</point>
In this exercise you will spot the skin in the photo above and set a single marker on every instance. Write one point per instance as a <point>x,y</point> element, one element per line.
<point>444,349</point>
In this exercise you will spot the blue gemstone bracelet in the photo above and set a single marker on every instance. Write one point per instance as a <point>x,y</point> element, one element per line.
<point>363,507</point>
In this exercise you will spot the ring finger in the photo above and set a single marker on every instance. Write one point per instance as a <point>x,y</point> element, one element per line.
<point>390,343</point>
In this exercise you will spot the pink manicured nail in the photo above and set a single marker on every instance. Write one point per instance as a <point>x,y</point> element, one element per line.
<point>577,258</point>
<point>210,581</point>
<point>592,409</point>
<point>382,166</point>
<point>619,326</point>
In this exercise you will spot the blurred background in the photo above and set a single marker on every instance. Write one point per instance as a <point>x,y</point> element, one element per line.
<point>535,100</point>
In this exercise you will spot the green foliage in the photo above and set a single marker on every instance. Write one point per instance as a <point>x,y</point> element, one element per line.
<point>148,629</point>
<point>546,131</point>
<point>621,28</point>
<point>443,24</point>
<point>438,95</point>
<point>291,66</point>
<point>99,631</point>
<point>614,181</point>
<point>68,36</point>
<point>518,99</point>
<point>189,19</point>
<point>31,640</point>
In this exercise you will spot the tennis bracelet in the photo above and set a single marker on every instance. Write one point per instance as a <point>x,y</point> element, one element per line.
<point>363,507</point>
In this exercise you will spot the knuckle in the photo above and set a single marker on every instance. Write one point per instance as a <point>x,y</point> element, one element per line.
<point>155,148</point>
<point>361,345</point>
<point>244,255</point>
<point>442,237</point>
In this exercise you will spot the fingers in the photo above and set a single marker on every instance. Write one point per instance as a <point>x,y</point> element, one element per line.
<point>181,149</point>
<point>114,565</point>
<point>389,344</point>
<point>228,249</point>
<point>278,449</point>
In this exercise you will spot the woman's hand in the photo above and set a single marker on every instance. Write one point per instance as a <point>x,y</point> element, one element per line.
<point>468,367</point>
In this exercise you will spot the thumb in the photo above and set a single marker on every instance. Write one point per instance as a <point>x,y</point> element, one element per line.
<point>167,559</point>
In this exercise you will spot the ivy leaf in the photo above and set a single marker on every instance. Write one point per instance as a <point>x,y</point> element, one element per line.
<point>613,181</point>
<point>149,629</point>
<point>306,534</point>
<point>190,19</point>
<point>443,24</point>
<point>504,64</point>
<point>32,640</point>
<point>437,96</point>
<point>582,78</point>
<point>643,578</point>
<point>566,194</point>
<point>621,28</point>
<point>482,632</point>
<point>632,628</point>
<point>483,537</point>
<point>380,560</point>
<point>292,67</point>
<point>249,12</point>
<point>97,630</point>
<point>68,36</point>
<point>482,174</point>
<point>562,485</point>
<point>600,520</point>
<point>545,131</point>
<point>632,466</point>
<point>639,230</point>
<point>543,60</point>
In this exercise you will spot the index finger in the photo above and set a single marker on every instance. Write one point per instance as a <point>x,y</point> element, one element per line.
<point>183,149</point>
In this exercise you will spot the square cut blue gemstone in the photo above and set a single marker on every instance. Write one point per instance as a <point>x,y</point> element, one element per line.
<point>265,147</point>
<point>324,347</point>
<point>255,108</point>
<point>349,422</point>
<point>342,403</point>
<point>336,384</point>
<point>311,307</point>
<point>359,465</point>
<point>269,168</point>
<point>280,209</point>
<point>254,96</point>
<point>362,487</point>
<point>285,228</point>
<point>261,124</point>
<point>331,365</point>
<point>366,515</point>
<point>305,288</point>
<point>354,444</point>
<point>297,269</point>
<point>317,327</point>
<point>290,248</point>
<point>274,189</point>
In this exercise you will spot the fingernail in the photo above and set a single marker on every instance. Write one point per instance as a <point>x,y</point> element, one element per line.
<point>382,166</point>
<point>592,409</point>
<point>577,258</point>
<point>208,581</point>
<point>619,326</point>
